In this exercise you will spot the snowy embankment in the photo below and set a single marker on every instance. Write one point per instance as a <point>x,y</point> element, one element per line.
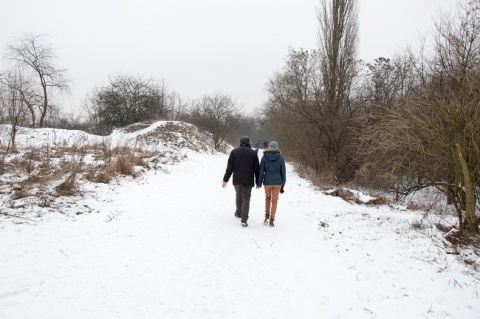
<point>166,245</point>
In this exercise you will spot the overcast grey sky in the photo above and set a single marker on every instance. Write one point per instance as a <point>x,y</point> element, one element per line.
<point>200,46</point>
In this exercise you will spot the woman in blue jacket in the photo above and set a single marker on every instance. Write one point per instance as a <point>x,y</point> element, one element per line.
<point>273,176</point>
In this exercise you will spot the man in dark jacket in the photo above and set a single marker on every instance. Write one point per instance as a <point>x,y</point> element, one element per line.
<point>243,163</point>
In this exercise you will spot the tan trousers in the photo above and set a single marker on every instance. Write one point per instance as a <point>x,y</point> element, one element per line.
<point>271,199</point>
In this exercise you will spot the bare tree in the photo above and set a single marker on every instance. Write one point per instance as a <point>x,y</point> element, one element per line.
<point>389,81</point>
<point>18,98</point>
<point>216,113</point>
<point>176,107</point>
<point>311,104</point>
<point>385,84</point>
<point>91,108</point>
<point>31,54</point>
<point>127,99</point>
<point>292,113</point>
<point>338,40</point>
<point>457,79</point>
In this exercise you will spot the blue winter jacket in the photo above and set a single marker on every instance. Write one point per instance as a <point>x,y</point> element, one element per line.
<point>272,168</point>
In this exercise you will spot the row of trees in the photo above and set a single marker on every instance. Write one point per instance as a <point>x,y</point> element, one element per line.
<point>400,124</point>
<point>33,81</point>
<point>130,99</point>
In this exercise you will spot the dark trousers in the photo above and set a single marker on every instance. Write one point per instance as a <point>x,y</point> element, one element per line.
<point>242,201</point>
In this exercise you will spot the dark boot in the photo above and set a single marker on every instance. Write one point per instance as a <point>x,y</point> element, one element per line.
<point>271,222</point>
<point>267,216</point>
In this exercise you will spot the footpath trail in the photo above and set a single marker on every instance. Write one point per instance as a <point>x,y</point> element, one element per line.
<point>168,246</point>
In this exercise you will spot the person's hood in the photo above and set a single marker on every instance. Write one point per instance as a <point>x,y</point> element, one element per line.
<point>272,154</point>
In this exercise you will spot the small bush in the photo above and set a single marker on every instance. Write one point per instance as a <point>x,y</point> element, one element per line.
<point>102,177</point>
<point>20,193</point>
<point>378,201</point>
<point>68,187</point>
<point>343,193</point>
<point>417,224</point>
<point>124,164</point>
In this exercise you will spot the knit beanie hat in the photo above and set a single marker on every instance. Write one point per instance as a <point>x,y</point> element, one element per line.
<point>244,140</point>
<point>273,144</point>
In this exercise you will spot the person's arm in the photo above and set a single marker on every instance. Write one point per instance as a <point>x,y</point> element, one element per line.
<point>283,173</point>
<point>260,174</point>
<point>228,171</point>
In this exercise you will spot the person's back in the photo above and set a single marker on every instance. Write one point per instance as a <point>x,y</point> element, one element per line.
<point>272,174</point>
<point>273,164</point>
<point>243,164</point>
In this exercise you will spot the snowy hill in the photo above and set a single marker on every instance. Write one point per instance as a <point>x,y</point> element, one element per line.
<point>158,136</point>
<point>165,244</point>
<point>47,164</point>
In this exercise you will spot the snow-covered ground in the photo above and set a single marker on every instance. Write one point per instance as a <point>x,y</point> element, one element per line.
<point>166,245</point>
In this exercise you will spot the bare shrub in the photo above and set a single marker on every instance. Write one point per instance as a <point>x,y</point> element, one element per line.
<point>138,160</point>
<point>124,164</point>
<point>4,151</point>
<point>31,157</point>
<point>68,187</point>
<point>417,224</point>
<point>103,178</point>
<point>45,166</point>
<point>90,176</point>
<point>416,206</point>
<point>443,228</point>
<point>343,194</point>
<point>378,201</point>
<point>32,180</point>
<point>463,239</point>
<point>20,193</point>
<point>99,177</point>
<point>106,149</point>
<point>319,179</point>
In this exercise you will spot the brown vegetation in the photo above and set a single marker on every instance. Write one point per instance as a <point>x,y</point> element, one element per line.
<point>57,169</point>
<point>398,125</point>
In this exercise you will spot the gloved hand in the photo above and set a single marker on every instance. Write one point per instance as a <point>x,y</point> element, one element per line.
<point>281,190</point>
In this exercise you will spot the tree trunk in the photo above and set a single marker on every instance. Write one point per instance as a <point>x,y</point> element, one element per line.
<point>45,103</point>
<point>470,224</point>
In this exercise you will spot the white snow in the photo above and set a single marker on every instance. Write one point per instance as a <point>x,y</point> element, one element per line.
<point>166,245</point>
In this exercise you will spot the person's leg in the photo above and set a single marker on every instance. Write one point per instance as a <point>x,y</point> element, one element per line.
<point>238,200</point>
<point>275,195</point>
<point>246,194</point>
<point>268,199</point>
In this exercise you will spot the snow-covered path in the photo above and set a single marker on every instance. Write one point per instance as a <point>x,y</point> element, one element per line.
<point>168,246</point>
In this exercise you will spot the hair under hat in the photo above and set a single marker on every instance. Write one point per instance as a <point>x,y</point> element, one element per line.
<point>273,144</point>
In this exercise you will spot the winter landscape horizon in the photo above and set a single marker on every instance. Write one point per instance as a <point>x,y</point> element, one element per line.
<point>163,242</point>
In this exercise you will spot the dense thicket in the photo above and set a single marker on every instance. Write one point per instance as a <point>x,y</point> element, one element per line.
<point>399,124</point>
<point>430,134</point>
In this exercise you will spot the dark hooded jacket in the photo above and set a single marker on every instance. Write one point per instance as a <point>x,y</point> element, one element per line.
<point>272,168</point>
<point>243,163</point>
